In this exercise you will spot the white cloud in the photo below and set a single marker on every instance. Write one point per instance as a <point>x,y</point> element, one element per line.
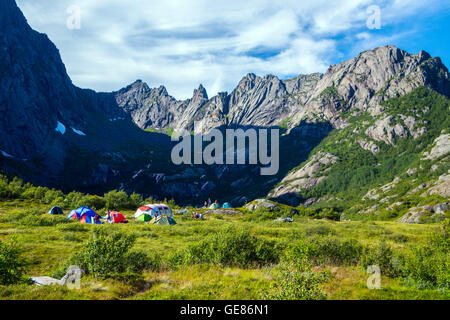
<point>181,44</point>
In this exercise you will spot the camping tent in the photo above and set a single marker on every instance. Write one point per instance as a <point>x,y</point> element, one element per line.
<point>164,221</point>
<point>149,211</point>
<point>117,217</point>
<point>164,210</point>
<point>56,211</point>
<point>85,215</point>
<point>146,213</point>
<point>226,205</point>
<point>214,206</point>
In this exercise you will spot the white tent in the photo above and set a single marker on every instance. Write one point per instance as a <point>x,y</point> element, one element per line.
<point>147,209</point>
<point>155,210</point>
<point>165,210</point>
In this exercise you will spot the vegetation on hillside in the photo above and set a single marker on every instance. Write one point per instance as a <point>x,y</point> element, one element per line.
<point>359,171</point>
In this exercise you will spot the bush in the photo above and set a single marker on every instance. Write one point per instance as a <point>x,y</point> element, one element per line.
<point>136,261</point>
<point>11,263</point>
<point>136,200</point>
<point>117,200</point>
<point>52,195</point>
<point>330,214</point>
<point>94,202</point>
<point>329,250</point>
<point>295,280</point>
<point>75,227</point>
<point>72,199</point>
<point>41,221</point>
<point>263,214</point>
<point>106,254</point>
<point>429,266</point>
<point>231,247</point>
<point>381,256</point>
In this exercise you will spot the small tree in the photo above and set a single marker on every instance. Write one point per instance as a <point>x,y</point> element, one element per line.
<point>116,199</point>
<point>106,253</point>
<point>11,263</point>
<point>136,200</point>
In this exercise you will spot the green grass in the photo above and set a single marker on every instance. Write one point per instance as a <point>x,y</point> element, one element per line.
<point>47,246</point>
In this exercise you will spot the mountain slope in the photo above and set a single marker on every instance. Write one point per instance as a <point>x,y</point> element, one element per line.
<point>359,84</point>
<point>405,166</point>
<point>360,115</point>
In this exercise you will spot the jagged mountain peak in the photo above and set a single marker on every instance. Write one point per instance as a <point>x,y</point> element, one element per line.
<point>200,93</point>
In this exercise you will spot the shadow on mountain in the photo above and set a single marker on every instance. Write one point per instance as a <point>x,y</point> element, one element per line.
<point>193,184</point>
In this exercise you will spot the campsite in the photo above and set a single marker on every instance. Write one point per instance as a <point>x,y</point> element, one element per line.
<point>231,253</point>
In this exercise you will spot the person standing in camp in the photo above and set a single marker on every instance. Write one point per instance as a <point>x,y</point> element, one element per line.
<point>209,202</point>
<point>206,205</point>
<point>109,218</point>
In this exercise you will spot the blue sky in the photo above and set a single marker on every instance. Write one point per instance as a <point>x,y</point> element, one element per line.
<point>181,44</point>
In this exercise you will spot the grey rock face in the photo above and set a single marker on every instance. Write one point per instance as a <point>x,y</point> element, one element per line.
<point>382,130</point>
<point>441,147</point>
<point>261,204</point>
<point>415,214</point>
<point>368,145</point>
<point>441,186</point>
<point>35,91</point>
<point>304,177</point>
<point>360,83</point>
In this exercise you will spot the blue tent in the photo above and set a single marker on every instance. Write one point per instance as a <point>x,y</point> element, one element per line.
<point>85,215</point>
<point>226,205</point>
<point>56,210</point>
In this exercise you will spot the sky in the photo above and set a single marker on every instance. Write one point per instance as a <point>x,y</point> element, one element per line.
<point>108,44</point>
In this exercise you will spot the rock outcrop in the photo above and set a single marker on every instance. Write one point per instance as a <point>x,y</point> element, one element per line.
<point>440,148</point>
<point>417,215</point>
<point>305,176</point>
<point>382,130</point>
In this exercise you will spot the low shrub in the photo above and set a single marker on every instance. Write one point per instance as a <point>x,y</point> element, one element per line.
<point>42,221</point>
<point>382,256</point>
<point>428,266</point>
<point>11,263</point>
<point>295,280</point>
<point>329,250</point>
<point>231,247</point>
<point>108,253</point>
<point>74,227</point>
<point>262,214</point>
<point>136,261</point>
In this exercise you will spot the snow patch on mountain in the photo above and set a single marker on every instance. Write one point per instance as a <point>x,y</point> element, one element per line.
<point>78,132</point>
<point>60,128</point>
<point>6,155</point>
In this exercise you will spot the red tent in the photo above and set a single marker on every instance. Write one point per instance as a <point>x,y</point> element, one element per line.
<point>118,217</point>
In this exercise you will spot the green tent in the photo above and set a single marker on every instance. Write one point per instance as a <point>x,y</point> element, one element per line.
<point>144,218</point>
<point>214,206</point>
<point>164,221</point>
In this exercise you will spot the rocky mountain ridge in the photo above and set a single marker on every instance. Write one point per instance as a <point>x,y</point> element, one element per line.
<point>55,134</point>
<point>359,84</point>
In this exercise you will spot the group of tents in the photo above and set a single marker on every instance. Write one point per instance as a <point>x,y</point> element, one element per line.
<point>160,214</point>
<point>215,205</point>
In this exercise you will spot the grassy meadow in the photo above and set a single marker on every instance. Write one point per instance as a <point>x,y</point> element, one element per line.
<point>225,256</point>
